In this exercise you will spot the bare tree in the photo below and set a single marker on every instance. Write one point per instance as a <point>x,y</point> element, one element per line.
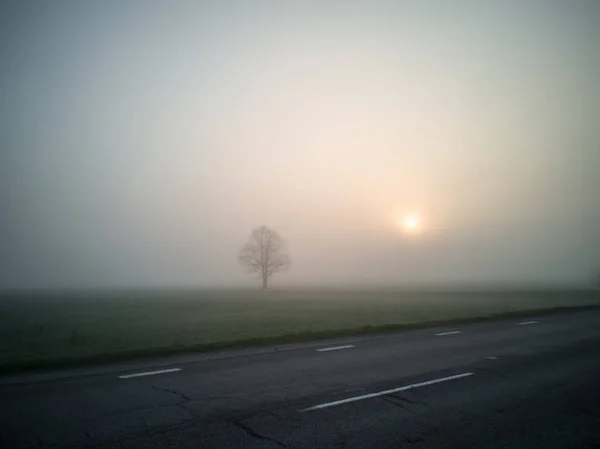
<point>265,253</point>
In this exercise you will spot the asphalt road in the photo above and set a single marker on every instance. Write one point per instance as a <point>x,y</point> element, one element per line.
<point>495,385</point>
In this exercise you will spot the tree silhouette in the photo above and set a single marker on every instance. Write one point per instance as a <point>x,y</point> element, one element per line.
<point>265,253</point>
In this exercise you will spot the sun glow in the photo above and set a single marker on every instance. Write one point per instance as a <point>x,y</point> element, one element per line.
<point>411,223</point>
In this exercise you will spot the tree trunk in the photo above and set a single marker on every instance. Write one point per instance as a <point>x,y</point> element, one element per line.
<point>264,284</point>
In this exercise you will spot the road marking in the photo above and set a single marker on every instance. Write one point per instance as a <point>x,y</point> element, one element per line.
<point>384,392</point>
<point>492,357</point>
<point>150,373</point>
<point>441,334</point>
<point>335,348</point>
<point>527,322</point>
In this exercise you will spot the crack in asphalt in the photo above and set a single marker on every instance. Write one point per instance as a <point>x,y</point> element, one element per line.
<point>178,393</point>
<point>403,399</point>
<point>138,409</point>
<point>211,398</point>
<point>253,434</point>
<point>185,400</point>
<point>417,439</point>
<point>390,400</point>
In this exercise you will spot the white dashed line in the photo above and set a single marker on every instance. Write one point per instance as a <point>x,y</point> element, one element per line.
<point>441,334</point>
<point>335,348</point>
<point>150,373</point>
<point>384,392</point>
<point>527,322</point>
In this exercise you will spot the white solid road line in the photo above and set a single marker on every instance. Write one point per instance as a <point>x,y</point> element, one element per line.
<point>527,322</point>
<point>441,334</point>
<point>383,393</point>
<point>150,373</point>
<point>335,348</point>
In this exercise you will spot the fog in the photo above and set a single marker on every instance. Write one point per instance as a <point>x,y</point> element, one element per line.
<point>141,142</point>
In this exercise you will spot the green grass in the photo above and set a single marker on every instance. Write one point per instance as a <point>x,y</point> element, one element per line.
<point>51,330</point>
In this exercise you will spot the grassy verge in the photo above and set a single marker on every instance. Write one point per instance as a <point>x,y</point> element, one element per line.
<point>304,336</point>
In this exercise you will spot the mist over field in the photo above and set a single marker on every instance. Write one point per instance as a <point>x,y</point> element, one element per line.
<point>390,143</point>
<point>299,223</point>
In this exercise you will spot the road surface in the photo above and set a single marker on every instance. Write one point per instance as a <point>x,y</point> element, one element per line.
<point>512,383</point>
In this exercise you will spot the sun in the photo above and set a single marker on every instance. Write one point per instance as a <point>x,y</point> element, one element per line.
<point>411,223</point>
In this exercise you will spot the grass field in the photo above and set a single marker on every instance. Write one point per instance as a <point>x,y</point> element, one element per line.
<point>46,330</point>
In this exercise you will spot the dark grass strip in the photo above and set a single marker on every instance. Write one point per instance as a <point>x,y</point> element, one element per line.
<point>119,356</point>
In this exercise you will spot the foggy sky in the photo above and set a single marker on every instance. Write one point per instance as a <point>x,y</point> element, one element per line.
<point>142,141</point>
